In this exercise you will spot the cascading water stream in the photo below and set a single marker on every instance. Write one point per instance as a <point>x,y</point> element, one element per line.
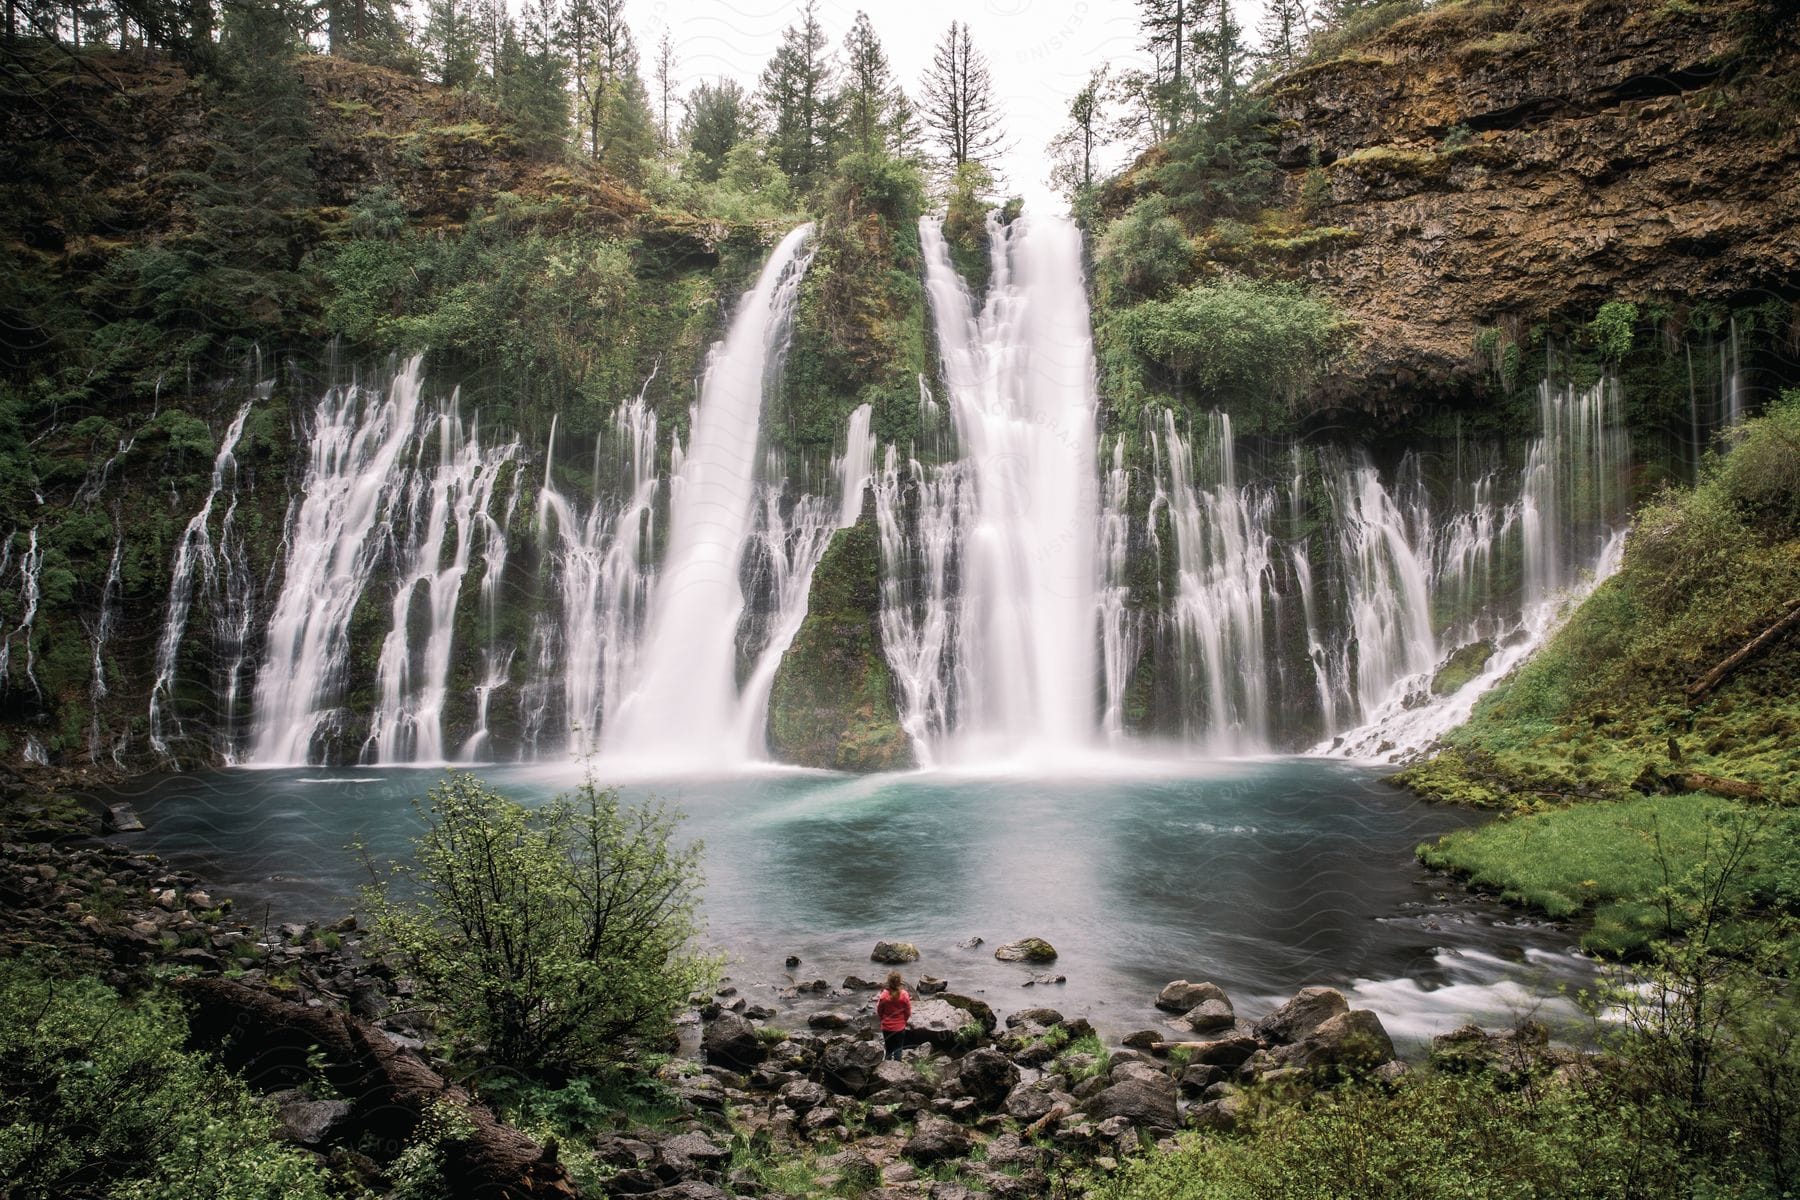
<point>30,563</point>
<point>359,435</point>
<point>197,555</point>
<point>1020,379</point>
<point>441,502</point>
<point>681,706</point>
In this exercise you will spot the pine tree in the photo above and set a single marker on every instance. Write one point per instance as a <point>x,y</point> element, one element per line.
<point>452,43</point>
<point>962,119</point>
<point>1221,56</point>
<point>1168,31</point>
<point>795,94</point>
<point>718,118</point>
<point>1073,149</point>
<point>873,112</point>
<point>531,82</point>
<point>1283,31</point>
<point>666,86</point>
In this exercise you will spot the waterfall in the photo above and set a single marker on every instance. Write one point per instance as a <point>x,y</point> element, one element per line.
<point>1224,557</point>
<point>1118,627</point>
<point>682,701</point>
<point>101,634</point>
<point>30,563</point>
<point>439,502</point>
<point>1570,518</point>
<point>496,657</point>
<point>352,484</point>
<point>1020,378</point>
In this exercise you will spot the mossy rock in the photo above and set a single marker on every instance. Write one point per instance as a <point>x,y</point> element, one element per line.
<point>1031,950</point>
<point>1461,668</point>
<point>831,705</point>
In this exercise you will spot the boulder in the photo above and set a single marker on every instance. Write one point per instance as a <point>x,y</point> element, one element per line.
<point>1208,1016</point>
<point>929,985</point>
<point>979,1009</point>
<point>1222,1052</point>
<point>1142,1101</point>
<point>802,1095</point>
<point>1180,996</point>
<point>1142,1039</point>
<point>311,1122</point>
<point>1350,1042</point>
<point>732,1041</point>
<point>1310,1008</point>
<point>1043,1017</point>
<point>986,1076</point>
<point>849,1066</point>
<point>894,953</point>
<point>856,983</point>
<point>899,1077</point>
<point>1030,1101</point>
<point>828,1020</point>
<point>935,1140</point>
<point>687,1189</point>
<point>689,1153</point>
<point>942,1024</point>
<point>1030,950</point>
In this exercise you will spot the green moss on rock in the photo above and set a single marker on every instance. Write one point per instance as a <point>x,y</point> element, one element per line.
<point>832,704</point>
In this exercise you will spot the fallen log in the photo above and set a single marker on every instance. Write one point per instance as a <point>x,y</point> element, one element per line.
<point>1746,652</point>
<point>1734,789</point>
<point>268,1039</point>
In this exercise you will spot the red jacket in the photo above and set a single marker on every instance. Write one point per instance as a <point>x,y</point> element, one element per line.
<point>893,1010</point>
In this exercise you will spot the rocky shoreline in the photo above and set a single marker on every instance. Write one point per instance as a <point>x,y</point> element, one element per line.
<point>982,1102</point>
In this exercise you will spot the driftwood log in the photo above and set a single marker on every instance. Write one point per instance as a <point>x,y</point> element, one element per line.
<point>268,1039</point>
<point>1749,650</point>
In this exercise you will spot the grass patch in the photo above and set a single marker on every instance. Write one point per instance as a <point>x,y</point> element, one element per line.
<point>1617,860</point>
<point>1085,1058</point>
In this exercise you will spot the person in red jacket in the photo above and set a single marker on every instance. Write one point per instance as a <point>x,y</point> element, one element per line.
<point>894,1008</point>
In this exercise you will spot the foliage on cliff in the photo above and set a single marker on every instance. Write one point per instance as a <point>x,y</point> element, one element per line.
<point>832,703</point>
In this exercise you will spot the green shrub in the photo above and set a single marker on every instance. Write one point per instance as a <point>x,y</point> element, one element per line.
<point>1146,251</point>
<point>1612,327</point>
<point>1239,336</point>
<point>97,1097</point>
<point>551,937</point>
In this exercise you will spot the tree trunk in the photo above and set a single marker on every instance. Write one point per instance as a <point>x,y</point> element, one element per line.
<point>1746,652</point>
<point>268,1039</point>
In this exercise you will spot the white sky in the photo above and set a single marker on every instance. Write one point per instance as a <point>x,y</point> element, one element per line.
<point>1039,51</point>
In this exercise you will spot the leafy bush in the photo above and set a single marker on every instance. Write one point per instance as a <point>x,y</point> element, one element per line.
<point>1612,327</point>
<point>1146,251</point>
<point>1237,337</point>
<point>550,937</point>
<point>1761,475</point>
<point>97,1097</point>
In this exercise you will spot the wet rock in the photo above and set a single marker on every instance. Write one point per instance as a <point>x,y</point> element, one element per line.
<point>942,1024</point>
<point>930,985</point>
<point>986,1076</point>
<point>1350,1042</point>
<point>792,961</point>
<point>894,953</point>
<point>122,818</point>
<point>1035,980</point>
<point>1028,950</point>
<point>855,983</point>
<point>1143,1039</point>
<point>1208,1016</point>
<point>1310,1008</point>
<point>732,1041</point>
<point>1195,1079</point>
<point>802,1095</point>
<point>828,1019</point>
<point>936,1140</point>
<point>969,943</point>
<point>849,1066</point>
<point>1044,1018</point>
<point>979,1009</point>
<point>1229,1052</point>
<point>1181,996</point>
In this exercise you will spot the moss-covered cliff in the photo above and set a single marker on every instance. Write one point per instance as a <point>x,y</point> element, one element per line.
<point>832,704</point>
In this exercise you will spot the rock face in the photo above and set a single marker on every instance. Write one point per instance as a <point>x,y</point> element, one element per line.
<point>832,702</point>
<point>1491,164</point>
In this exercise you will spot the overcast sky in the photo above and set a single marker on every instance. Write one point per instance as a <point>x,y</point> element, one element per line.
<point>1040,52</point>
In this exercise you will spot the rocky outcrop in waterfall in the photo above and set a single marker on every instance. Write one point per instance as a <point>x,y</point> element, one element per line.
<point>833,703</point>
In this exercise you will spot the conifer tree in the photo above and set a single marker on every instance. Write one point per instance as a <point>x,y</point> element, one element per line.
<point>452,43</point>
<point>1168,27</point>
<point>718,117</point>
<point>795,95</point>
<point>667,84</point>
<point>1283,31</point>
<point>1221,56</point>
<point>962,118</point>
<point>873,112</point>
